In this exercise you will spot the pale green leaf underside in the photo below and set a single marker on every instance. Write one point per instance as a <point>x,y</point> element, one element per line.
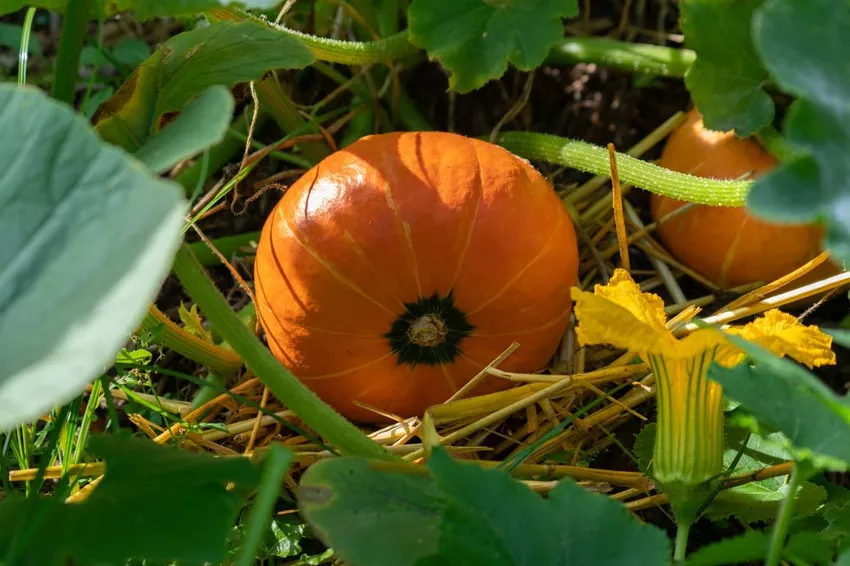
<point>89,235</point>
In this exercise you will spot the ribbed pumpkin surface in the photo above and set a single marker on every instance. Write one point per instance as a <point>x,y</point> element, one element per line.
<point>396,269</point>
<point>728,245</point>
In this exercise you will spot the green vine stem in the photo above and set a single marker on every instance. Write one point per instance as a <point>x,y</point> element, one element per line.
<point>783,520</point>
<point>319,416</point>
<point>215,358</point>
<point>681,549</point>
<point>626,56</point>
<point>70,46</point>
<point>633,57</point>
<point>226,246</point>
<point>594,159</point>
<point>776,144</point>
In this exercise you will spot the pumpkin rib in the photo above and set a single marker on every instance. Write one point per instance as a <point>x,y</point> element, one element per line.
<point>359,251</point>
<point>531,330</point>
<point>473,221</point>
<point>449,379</point>
<point>474,362</point>
<point>345,371</point>
<point>377,383</point>
<point>521,272</point>
<point>333,271</point>
<point>405,229</point>
<point>729,259</point>
<point>260,289</point>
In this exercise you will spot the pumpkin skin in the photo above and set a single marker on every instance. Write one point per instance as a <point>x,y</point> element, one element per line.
<point>397,268</point>
<point>727,245</point>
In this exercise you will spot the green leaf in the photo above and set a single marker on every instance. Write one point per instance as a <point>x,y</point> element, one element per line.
<point>530,530</point>
<point>803,50</point>
<point>839,336</point>
<point>727,79</point>
<point>88,237</point>
<point>464,514</point>
<point>759,501</point>
<point>131,51</point>
<point>203,123</point>
<point>132,512</point>
<point>790,399</point>
<point>96,99</point>
<point>644,447</point>
<point>11,35</point>
<point>838,519</point>
<point>843,559</point>
<point>802,548</point>
<point>808,548</point>
<point>370,516</point>
<point>142,9</point>
<point>224,53</point>
<point>475,39</point>
<point>748,547</point>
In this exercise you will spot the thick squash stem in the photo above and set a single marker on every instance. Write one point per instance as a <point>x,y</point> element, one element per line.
<point>339,432</point>
<point>594,159</point>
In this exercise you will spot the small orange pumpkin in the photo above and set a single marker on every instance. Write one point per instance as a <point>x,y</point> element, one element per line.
<point>396,269</point>
<point>727,245</point>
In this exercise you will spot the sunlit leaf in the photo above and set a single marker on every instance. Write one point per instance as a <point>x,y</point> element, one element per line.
<point>224,53</point>
<point>203,123</point>
<point>760,500</point>
<point>88,237</point>
<point>727,79</point>
<point>475,39</point>
<point>802,44</point>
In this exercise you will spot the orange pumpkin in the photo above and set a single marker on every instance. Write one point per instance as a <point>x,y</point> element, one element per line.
<point>727,245</point>
<point>396,269</point>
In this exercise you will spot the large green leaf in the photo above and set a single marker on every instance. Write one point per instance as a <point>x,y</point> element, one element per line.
<point>749,547</point>
<point>371,517</point>
<point>88,237</point>
<point>805,547</point>
<point>224,53</point>
<point>475,39</point>
<point>131,512</point>
<point>727,80</point>
<point>464,514</point>
<point>788,398</point>
<point>802,43</point>
<point>142,9</point>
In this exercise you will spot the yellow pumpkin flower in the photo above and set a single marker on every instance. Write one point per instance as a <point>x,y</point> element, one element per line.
<point>689,437</point>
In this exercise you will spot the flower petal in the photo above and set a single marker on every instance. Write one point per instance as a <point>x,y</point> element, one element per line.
<point>648,308</point>
<point>602,321</point>
<point>784,335</point>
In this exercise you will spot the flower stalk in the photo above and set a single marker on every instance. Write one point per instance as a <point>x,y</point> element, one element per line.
<point>688,455</point>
